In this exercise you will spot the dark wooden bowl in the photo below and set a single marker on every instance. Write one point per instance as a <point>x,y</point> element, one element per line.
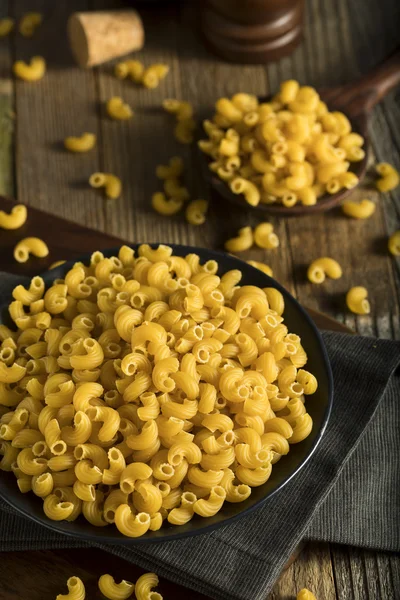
<point>318,405</point>
<point>356,100</point>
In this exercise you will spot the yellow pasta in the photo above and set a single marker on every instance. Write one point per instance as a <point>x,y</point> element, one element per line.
<point>15,219</point>
<point>359,210</point>
<point>321,267</point>
<point>394,243</point>
<point>196,212</point>
<point>115,591</point>
<point>264,236</point>
<point>29,23</point>
<point>305,594</point>
<point>290,150</point>
<point>76,590</point>
<point>118,109</point>
<point>153,375</point>
<point>30,72</point>
<point>144,587</point>
<point>30,245</point>
<point>357,302</point>
<point>154,74</point>
<point>242,242</point>
<point>84,143</point>
<point>6,26</point>
<point>389,179</point>
<point>166,207</point>
<point>111,183</point>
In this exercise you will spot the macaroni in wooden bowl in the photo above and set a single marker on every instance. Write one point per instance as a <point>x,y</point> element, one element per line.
<point>163,391</point>
<point>287,154</point>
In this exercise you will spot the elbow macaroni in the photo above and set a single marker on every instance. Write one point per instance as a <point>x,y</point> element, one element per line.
<point>32,72</point>
<point>15,219</point>
<point>321,267</point>
<point>389,179</point>
<point>290,150</point>
<point>118,109</point>
<point>163,382</point>
<point>30,245</point>
<point>359,210</point>
<point>111,184</point>
<point>84,143</point>
<point>357,302</point>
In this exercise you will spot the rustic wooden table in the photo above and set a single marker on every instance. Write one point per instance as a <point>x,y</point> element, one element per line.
<point>340,43</point>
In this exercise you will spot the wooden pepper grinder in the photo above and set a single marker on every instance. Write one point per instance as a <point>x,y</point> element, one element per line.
<point>255,31</point>
<point>96,37</point>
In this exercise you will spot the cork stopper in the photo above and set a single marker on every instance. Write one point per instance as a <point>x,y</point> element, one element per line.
<point>96,37</point>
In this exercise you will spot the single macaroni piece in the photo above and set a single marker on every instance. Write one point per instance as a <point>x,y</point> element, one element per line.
<point>250,191</point>
<point>147,387</point>
<point>144,587</point>
<point>29,23</point>
<point>132,68</point>
<point>264,236</point>
<point>166,207</point>
<point>359,210</point>
<point>242,242</point>
<point>390,177</point>
<point>30,245</point>
<point>196,212</point>
<point>6,26</point>
<point>76,590</point>
<point>183,112</point>
<point>394,243</point>
<point>111,183</point>
<point>261,266</point>
<point>173,170</point>
<point>290,150</point>
<point>118,109</point>
<point>324,266</point>
<point>84,143</point>
<point>154,74</point>
<point>357,302</point>
<point>115,591</point>
<point>15,219</point>
<point>305,594</point>
<point>32,72</point>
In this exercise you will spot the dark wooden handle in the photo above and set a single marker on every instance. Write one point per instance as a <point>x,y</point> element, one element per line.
<point>360,97</point>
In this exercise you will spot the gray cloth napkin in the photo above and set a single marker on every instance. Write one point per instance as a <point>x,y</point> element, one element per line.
<point>348,492</point>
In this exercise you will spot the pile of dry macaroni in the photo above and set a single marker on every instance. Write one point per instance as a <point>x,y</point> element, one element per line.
<point>142,389</point>
<point>289,150</point>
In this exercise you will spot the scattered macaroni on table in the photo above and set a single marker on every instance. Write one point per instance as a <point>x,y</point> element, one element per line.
<point>359,210</point>
<point>148,376</point>
<point>289,150</point>
<point>29,23</point>
<point>321,267</point>
<point>357,300</point>
<point>15,220</point>
<point>84,143</point>
<point>118,109</point>
<point>389,179</point>
<point>111,184</point>
<point>30,245</point>
<point>394,243</point>
<point>6,26</point>
<point>30,72</point>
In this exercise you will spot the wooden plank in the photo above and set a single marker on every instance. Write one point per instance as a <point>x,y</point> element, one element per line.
<point>63,103</point>
<point>361,574</point>
<point>7,115</point>
<point>312,570</point>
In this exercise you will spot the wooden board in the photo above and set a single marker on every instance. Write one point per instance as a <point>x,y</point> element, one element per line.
<point>340,42</point>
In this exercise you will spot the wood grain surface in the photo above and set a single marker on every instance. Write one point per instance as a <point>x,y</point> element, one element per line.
<point>341,42</point>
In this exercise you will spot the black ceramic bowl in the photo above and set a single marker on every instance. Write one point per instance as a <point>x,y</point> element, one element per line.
<point>318,405</point>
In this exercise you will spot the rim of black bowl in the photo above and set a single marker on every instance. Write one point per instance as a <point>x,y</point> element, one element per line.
<point>325,203</point>
<point>175,533</point>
